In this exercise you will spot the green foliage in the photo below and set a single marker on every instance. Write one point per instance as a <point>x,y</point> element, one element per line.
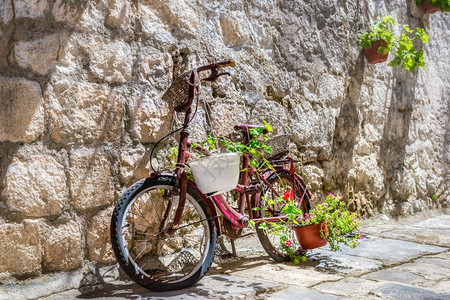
<point>333,212</point>
<point>256,147</point>
<point>443,4</point>
<point>406,56</point>
<point>338,219</point>
<point>380,31</point>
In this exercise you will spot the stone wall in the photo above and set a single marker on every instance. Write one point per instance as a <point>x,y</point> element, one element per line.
<point>81,85</point>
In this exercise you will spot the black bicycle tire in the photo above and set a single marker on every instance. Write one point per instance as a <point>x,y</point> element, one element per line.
<point>119,253</point>
<point>263,238</point>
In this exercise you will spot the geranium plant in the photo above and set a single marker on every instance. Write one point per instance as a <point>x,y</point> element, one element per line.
<point>381,30</point>
<point>444,5</point>
<point>255,147</point>
<point>338,219</point>
<point>332,212</point>
<point>406,56</point>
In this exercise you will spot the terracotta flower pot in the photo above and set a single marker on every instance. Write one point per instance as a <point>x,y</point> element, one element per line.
<point>427,8</point>
<point>372,56</point>
<point>309,236</point>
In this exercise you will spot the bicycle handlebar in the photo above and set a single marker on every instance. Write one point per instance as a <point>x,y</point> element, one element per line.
<point>228,63</point>
<point>217,65</point>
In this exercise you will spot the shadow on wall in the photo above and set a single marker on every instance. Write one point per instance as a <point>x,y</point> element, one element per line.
<point>396,134</point>
<point>348,123</point>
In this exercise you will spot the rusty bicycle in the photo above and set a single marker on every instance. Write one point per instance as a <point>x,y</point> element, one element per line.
<point>164,229</point>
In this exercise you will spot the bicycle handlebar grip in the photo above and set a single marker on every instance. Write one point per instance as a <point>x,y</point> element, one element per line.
<point>228,63</point>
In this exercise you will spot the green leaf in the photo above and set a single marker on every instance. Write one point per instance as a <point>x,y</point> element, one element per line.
<point>267,126</point>
<point>407,28</point>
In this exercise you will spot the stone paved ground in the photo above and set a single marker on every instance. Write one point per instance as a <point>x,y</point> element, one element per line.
<point>406,260</point>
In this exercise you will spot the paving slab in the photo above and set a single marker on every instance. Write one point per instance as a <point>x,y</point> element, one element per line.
<point>428,271</point>
<point>434,260</point>
<point>295,293</point>
<point>348,287</point>
<point>217,286</point>
<point>121,290</point>
<point>441,287</point>
<point>437,222</point>
<point>404,292</point>
<point>231,287</point>
<point>438,237</point>
<point>344,264</point>
<point>444,255</point>
<point>298,275</point>
<point>395,276</point>
<point>390,251</point>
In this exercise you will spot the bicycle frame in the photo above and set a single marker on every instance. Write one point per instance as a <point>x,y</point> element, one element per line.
<point>237,218</point>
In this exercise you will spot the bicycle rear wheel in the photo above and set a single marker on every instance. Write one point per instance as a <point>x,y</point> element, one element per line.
<point>281,181</point>
<point>150,255</point>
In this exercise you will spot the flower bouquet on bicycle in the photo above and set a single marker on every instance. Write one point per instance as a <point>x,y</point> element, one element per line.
<point>165,227</point>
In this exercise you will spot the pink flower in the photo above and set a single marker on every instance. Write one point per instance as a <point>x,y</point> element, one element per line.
<point>307,216</point>
<point>354,221</point>
<point>331,194</point>
<point>360,237</point>
<point>288,243</point>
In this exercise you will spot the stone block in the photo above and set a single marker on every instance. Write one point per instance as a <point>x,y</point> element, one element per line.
<point>67,11</point>
<point>20,250</point>
<point>236,29</point>
<point>155,67</point>
<point>22,113</point>
<point>83,112</point>
<point>130,159</point>
<point>119,15</point>
<point>6,11</point>
<point>82,15</point>
<point>35,186</point>
<point>152,27</point>
<point>150,117</point>
<point>98,240</point>
<point>39,55</point>
<point>62,248</point>
<point>179,13</point>
<point>30,9</point>
<point>90,179</point>
<point>110,61</point>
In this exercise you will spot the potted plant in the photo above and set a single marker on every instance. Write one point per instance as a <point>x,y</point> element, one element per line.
<point>329,222</point>
<point>379,41</point>
<point>431,6</point>
<point>406,56</point>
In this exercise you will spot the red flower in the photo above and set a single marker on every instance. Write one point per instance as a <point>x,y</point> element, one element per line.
<point>288,195</point>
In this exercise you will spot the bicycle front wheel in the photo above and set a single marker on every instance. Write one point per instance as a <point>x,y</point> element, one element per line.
<point>281,181</point>
<point>147,251</point>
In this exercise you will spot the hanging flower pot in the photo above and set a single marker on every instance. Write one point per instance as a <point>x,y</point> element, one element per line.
<point>372,55</point>
<point>309,236</point>
<point>428,8</point>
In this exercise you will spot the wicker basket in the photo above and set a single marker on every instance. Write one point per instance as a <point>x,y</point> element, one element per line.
<point>177,95</point>
<point>280,145</point>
